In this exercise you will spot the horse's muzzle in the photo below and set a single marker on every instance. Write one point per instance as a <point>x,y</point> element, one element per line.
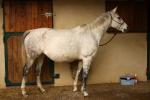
<point>125,30</point>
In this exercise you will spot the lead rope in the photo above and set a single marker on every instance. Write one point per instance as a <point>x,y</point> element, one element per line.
<point>108,40</point>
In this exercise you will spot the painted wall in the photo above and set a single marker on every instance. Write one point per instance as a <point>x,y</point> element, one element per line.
<point>125,54</point>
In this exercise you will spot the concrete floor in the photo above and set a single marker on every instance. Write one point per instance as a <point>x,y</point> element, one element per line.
<point>140,91</point>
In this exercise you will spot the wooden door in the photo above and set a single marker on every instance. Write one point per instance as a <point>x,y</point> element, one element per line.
<point>19,16</point>
<point>22,15</point>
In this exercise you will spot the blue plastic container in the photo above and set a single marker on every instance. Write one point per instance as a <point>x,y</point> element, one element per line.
<point>127,80</point>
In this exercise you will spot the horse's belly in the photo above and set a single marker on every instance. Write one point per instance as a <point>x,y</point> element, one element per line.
<point>60,57</point>
<point>59,54</point>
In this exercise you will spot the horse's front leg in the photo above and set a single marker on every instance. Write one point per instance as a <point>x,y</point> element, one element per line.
<point>77,75</point>
<point>86,67</point>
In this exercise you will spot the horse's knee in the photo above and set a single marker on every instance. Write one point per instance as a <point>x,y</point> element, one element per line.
<point>85,72</point>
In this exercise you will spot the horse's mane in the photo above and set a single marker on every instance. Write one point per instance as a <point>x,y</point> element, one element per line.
<point>97,22</point>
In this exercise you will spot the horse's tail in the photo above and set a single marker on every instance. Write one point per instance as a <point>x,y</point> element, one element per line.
<point>26,33</point>
<point>23,51</point>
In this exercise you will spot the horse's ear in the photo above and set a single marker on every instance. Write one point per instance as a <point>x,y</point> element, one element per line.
<point>114,10</point>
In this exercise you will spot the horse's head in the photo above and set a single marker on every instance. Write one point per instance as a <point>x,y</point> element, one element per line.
<point>117,22</point>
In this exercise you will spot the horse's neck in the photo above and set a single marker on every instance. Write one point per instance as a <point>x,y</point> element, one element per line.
<point>100,26</point>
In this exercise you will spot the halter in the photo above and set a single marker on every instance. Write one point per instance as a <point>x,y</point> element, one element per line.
<point>114,33</point>
<point>116,21</point>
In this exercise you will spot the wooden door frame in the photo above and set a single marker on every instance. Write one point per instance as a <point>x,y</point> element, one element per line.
<point>148,56</point>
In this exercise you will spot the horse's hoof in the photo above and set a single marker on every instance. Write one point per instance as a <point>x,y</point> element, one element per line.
<point>43,91</point>
<point>85,94</point>
<point>25,95</point>
<point>75,89</point>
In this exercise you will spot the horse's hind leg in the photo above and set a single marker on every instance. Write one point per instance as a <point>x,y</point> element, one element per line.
<point>38,72</point>
<point>26,68</point>
<point>77,75</point>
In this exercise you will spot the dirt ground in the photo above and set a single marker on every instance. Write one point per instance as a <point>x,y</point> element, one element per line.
<point>140,91</point>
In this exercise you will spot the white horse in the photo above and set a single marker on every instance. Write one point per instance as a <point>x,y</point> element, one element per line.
<point>79,43</point>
